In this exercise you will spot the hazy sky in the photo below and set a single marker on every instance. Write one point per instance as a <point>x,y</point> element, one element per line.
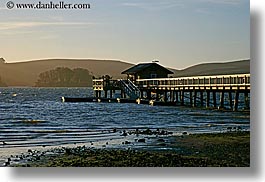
<point>179,33</point>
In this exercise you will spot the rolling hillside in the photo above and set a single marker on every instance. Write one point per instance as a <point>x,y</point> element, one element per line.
<point>235,67</point>
<point>26,73</point>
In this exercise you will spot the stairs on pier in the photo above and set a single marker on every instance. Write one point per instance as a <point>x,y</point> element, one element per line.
<point>130,89</point>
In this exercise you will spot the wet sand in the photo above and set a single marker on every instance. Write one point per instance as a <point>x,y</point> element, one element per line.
<point>229,149</point>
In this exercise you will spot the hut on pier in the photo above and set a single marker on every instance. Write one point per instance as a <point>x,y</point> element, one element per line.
<point>147,71</point>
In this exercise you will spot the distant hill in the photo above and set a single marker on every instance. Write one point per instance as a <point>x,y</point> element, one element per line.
<point>27,73</point>
<point>235,67</point>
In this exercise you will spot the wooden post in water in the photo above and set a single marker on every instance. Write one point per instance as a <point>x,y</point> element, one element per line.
<point>148,93</point>
<point>214,99</point>
<point>142,94</point>
<point>157,95</point>
<point>106,93</point>
<point>122,94</point>
<point>222,96</point>
<point>165,96</point>
<point>177,97</point>
<point>111,94</point>
<point>191,98</point>
<point>236,101</point>
<point>171,96</point>
<point>201,93</point>
<point>207,99</point>
<point>182,97</point>
<point>194,97</point>
<point>246,100</point>
<point>230,99</point>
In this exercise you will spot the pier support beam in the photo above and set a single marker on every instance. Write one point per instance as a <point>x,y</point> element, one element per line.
<point>157,95</point>
<point>194,98</point>
<point>171,96</point>
<point>246,100</point>
<point>122,94</point>
<point>177,96</point>
<point>111,93</point>
<point>236,101</point>
<point>222,97</point>
<point>148,93</point>
<point>214,99</point>
<point>201,93</point>
<point>165,96</point>
<point>207,99</point>
<point>182,97</point>
<point>142,94</point>
<point>191,98</point>
<point>230,99</point>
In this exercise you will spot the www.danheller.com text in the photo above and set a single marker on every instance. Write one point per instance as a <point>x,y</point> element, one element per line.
<point>48,5</point>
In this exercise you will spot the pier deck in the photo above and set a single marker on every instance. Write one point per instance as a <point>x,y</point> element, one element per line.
<point>196,91</point>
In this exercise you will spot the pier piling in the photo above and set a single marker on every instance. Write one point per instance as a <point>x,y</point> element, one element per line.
<point>230,97</point>
<point>214,99</point>
<point>208,99</point>
<point>202,104</point>
<point>236,101</point>
<point>222,97</point>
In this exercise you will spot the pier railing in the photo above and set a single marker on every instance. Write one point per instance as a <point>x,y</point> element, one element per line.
<point>197,90</point>
<point>98,84</point>
<point>232,82</point>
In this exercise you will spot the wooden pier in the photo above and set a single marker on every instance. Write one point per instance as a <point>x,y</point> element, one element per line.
<point>217,91</point>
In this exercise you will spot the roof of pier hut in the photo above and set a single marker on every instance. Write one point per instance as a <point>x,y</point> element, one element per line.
<point>143,66</point>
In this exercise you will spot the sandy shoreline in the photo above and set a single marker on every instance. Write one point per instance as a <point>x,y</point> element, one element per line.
<point>197,150</point>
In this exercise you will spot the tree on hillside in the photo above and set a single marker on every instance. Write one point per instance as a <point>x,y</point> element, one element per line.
<point>81,77</point>
<point>65,77</point>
